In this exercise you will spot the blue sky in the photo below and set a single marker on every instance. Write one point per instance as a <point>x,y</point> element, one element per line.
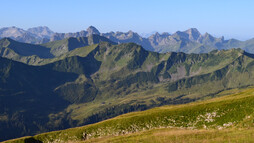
<point>229,18</point>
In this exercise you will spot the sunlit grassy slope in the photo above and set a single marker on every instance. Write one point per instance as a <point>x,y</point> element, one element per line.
<point>227,118</point>
<point>182,135</point>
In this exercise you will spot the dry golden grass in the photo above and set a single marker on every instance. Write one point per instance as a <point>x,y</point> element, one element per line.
<point>182,136</point>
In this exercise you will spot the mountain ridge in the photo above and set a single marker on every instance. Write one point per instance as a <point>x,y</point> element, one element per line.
<point>35,54</point>
<point>35,35</point>
<point>188,41</point>
<point>106,80</point>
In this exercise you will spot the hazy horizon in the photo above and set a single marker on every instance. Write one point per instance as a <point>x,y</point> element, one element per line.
<point>229,18</point>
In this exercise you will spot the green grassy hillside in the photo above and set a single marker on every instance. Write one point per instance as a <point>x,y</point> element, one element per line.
<point>98,82</point>
<point>27,90</point>
<point>34,54</point>
<point>214,120</point>
<point>13,49</point>
<point>60,47</point>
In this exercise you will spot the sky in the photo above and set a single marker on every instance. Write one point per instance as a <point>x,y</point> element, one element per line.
<point>229,18</point>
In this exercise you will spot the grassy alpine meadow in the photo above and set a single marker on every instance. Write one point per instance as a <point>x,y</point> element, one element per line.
<point>226,118</point>
<point>172,135</point>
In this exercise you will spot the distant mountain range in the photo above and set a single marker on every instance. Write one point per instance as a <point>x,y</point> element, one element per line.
<point>189,41</point>
<point>34,35</point>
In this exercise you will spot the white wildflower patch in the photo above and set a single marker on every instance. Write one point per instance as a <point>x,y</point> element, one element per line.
<point>225,125</point>
<point>208,117</point>
<point>228,124</point>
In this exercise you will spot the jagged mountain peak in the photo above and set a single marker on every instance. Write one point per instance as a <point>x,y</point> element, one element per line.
<point>188,41</point>
<point>193,33</point>
<point>157,34</point>
<point>192,30</point>
<point>181,35</point>
<point>209,37</point>
<point>130,31</point>
<point>92,30</point>
<point>165,34</point>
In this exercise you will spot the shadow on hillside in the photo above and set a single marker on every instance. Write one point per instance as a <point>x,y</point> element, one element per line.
<point>32,140</point>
